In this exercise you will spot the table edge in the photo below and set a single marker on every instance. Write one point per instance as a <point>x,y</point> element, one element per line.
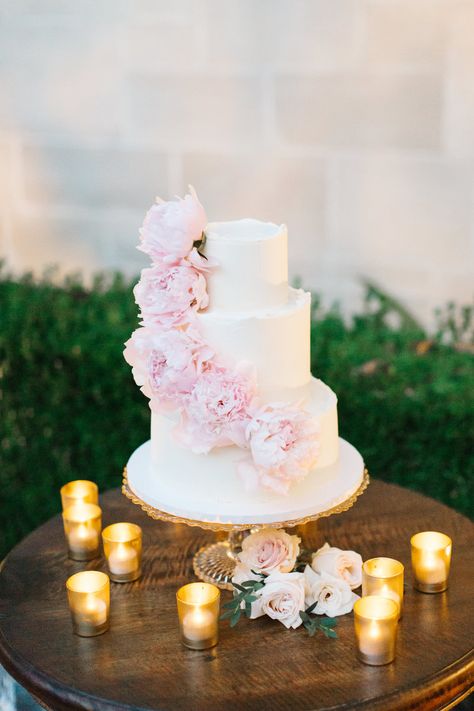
<point>438,687</point>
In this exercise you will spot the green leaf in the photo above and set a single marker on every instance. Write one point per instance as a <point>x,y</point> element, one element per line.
<point>250,598</point>
<point>239,587</point>
<point>235,618</point>
<point>248,583</point>
<point>226,615</point>
<point>328,622</point>
<point>231,604</point>
<point>330,633</point>
<point>248,609</point>
<point>311,607</point>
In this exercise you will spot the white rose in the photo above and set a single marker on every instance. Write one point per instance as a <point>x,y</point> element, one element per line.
<point>269,550</point>
<point>341,564</point>
<point>333,596</point>
<point>282,599</point>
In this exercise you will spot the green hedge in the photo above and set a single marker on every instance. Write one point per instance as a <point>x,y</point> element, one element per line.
<point>70,409</point>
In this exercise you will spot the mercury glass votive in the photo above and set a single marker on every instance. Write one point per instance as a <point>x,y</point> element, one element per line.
<point>431,560</point>
<point>123,551</point>
<point>82,526</point>
<point>80,491</point>
<point>375,623</point>
<point>384,577</point>
<point>89,601</point>
<point>198,613</point>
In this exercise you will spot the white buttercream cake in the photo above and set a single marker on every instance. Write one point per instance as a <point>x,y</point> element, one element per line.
<point>253,315</point>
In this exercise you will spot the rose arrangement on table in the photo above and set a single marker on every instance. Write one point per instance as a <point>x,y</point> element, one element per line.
<point>268,580</point>
<point>216,401</point>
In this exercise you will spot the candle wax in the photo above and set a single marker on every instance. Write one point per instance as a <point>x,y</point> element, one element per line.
<point>92,612</point>
<point>199,625</point>
<point>374,640</point>
<point>431,570</point>
<point>123,559</point>
<point>83,538</point>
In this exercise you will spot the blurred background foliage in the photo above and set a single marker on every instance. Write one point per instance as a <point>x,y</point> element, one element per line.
<point>70,408</point>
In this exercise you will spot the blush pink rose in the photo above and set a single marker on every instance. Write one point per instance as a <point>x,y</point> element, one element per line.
<point>170,295</point>
<point>166,364</point>
<point>333,595</point>
<point>217,411</point>
<point>270,549</point>
<point>171,228</point>
<point>282,598</point>
<point>341,564</point>
<point>284,445</point>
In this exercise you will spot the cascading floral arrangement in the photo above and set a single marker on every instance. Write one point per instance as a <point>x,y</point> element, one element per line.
<point>179,372</point>
<point>270,580</point>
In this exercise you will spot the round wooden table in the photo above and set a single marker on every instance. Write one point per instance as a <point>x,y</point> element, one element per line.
<point>140,664</point>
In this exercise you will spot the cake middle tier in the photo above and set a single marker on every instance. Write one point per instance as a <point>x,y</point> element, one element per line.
<point>275,340</point>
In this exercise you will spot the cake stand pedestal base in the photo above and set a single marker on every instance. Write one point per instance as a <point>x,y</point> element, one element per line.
<point>215,562</point>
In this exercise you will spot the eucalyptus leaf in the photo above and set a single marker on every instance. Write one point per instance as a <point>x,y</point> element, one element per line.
<point>328,622</point>
<point>239,587</point>
<point>251,598</point>
<point>226,615</point>
<point>235,618</point>
<point>230,604</point>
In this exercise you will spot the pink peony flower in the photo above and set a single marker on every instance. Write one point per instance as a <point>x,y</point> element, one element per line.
<point>270,549</point>
<point>170,228</point>
<point>203,264</point>
<point>170,295</point>
<point>166,364</point>
<point>284,445</point>
<point>217,411</point>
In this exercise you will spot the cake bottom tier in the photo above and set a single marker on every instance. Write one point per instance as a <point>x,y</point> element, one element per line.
<point>190,494</point>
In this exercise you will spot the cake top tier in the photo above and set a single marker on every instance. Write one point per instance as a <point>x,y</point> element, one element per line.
<point>252,271</point>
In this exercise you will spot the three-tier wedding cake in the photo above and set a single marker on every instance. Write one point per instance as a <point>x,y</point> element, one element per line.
<point>240,430</point>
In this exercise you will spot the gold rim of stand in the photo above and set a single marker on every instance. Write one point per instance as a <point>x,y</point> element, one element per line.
<point>219,526</point>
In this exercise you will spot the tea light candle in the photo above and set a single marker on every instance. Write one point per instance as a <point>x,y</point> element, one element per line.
<point>123,551</point>
<point>375,624</point>
<point>89,602</point>
<point>198,613</point>
<point>82,526</point>
<point>198,624</point>
<point>80,491</point>
<point>431,560</point>
<point>384,577</point>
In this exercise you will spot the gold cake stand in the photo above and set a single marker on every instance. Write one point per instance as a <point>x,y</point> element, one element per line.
<point>215,562</point>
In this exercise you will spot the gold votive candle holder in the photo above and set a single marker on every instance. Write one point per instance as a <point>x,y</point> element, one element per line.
<point>123,551</point>
<point>89,602</point>
<point>80,491</point>
<point>375,624</point>
<point>198,613</point>
<point>431,560</point>
<point>384,577</point>
<point>82,526</point>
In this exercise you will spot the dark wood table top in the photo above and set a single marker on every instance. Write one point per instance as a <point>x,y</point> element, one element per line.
<point>140,664</point>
